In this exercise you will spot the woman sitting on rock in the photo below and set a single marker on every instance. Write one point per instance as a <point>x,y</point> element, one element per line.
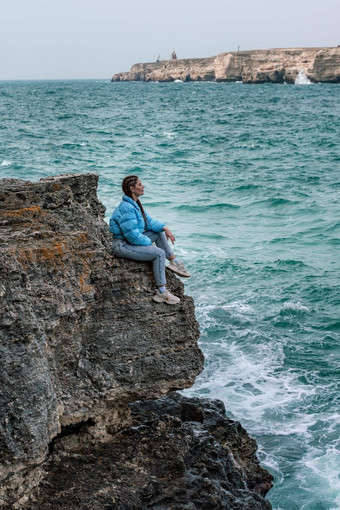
<point>135,231</point>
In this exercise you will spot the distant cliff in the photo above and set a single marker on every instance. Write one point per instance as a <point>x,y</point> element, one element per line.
<point>254,66</point>
<point>80,340</point>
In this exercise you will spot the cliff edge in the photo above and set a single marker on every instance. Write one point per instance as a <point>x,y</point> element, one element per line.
<point>80,341</point>
<point>254,66</point>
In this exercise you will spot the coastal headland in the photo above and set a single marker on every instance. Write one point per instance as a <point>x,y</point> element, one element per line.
<point>281,65</point>
<point>89,366</point>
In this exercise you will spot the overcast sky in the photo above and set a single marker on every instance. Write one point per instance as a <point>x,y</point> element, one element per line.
<point>42,39</point>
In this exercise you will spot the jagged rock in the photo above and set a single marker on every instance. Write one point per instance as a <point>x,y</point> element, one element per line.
<point>80,336</point>
<point>254,66</point>
<point>80,341</point>
<point>180,453</point>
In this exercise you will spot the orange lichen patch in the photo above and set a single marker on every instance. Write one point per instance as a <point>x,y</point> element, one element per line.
<point>57,257</point>
<point>83,279</point>
<point>30,211</point>
<point>83,238</point>
<point>85,287</point>
<point>55,251</point>
<point>87,255</point>
<point>49,254</point>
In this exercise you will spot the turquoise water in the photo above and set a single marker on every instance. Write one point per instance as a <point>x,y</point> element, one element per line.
<point>248,179</point>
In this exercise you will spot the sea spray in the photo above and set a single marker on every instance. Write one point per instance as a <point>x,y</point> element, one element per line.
<point>302,79</point>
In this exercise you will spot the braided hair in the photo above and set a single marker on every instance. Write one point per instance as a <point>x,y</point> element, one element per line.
<point>128,181</point>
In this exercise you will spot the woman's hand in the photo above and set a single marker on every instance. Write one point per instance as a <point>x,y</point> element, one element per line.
<point>169,235</point>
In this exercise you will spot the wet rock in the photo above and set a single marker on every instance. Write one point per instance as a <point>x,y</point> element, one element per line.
<point>179,453</point>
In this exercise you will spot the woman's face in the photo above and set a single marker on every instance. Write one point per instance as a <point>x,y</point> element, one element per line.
<point>137,189</point>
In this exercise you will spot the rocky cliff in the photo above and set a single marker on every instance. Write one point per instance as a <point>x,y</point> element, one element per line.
<point>80,340</point>
<point>254,66</point>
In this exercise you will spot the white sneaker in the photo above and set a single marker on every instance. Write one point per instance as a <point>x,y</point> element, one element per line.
<point>178,268</point>
<point>165,297</point>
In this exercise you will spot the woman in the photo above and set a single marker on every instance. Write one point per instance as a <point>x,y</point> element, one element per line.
<point>135,231</point>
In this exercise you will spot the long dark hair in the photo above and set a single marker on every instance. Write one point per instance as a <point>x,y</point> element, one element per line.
<point>128,181</point>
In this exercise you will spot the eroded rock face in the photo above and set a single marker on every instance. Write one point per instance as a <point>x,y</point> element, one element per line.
<point>179,453</point>
<point>255,66</point>
<point>80,336</point>
<point>193,69</point>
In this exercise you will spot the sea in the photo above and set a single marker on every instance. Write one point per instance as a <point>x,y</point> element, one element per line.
<point>248,179</point>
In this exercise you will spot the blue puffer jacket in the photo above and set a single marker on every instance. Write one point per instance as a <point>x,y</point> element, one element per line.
<point>127,222</point>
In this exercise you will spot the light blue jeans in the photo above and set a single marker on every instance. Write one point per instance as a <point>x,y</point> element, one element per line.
<point>157,254</point>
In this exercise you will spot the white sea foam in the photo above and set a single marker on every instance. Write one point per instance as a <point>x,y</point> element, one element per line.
<point>5,163</point>
<point>321,468</point>
<point>178,81</point>
<point>302,79</point>
<point>170,134</point>
<point>247,369</point>
<point>238,306</point>
<point>247,374</point>
<point>326,466</point>
<point>290,305</point>
<point>256,394</point>
<point>271,462</point>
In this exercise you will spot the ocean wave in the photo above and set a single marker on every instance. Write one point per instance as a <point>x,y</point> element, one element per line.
<point>254,388</point>
<point>247,187</point>
<point>284,240</point>
<point>324,467</point>
<point>334,326</point>
<point>204,236</point>
<point>334,241</point>
<point>275,202</point>
<point>293,308</point>
<point>5,162</point>
<point>65,116</point>
<point>205,208</point>
<point>291,263</point>
<point>72,145</point>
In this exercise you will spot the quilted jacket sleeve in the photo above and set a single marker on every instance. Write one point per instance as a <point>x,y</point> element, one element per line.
<point>129,225</point>
<point>156,226</point>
